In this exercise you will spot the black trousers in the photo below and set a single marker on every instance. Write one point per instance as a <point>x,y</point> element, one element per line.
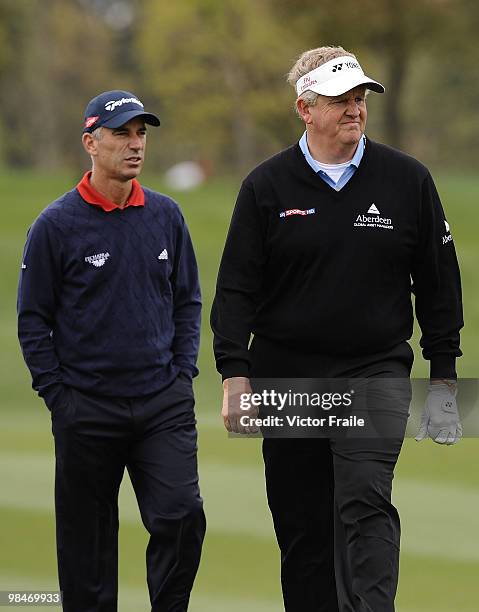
<point>155,438</point>
<point>330,498</point>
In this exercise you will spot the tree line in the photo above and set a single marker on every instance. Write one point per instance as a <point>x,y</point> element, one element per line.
<point>215,72</point>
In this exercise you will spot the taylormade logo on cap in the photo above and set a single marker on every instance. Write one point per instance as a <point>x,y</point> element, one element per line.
<point>112,104</point>
<point>336,77</point>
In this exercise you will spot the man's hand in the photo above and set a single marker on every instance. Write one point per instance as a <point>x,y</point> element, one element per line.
<point>233,389</point>
<point>440,418</point>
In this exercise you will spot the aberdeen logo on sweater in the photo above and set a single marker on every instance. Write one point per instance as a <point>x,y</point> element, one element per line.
<point>373,218</point>
<point>98,260</point>
<point>296,211</point>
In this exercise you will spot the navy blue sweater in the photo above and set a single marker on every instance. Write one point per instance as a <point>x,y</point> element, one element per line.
<point>108,302</point>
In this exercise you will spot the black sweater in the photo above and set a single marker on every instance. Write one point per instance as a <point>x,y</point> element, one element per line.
<point>330,272</point>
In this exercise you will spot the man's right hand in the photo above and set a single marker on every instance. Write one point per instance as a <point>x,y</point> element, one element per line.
<point>233,389</point>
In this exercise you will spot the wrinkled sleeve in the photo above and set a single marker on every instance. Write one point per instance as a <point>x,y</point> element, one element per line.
<point>239,282</point>
<point>187,304</point>
<point>37,301</point>
<point>437,286</point>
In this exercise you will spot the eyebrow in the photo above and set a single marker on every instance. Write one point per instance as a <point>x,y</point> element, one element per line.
<point>124,129</point>
<point>342,98</point>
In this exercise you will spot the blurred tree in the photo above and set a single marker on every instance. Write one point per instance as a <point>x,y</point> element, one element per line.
<point>14,30</point>
<point>59,58</point>
<point>442,95</point>
<point>217,68</point>
<point>391,33</point>
<point>6,17</point>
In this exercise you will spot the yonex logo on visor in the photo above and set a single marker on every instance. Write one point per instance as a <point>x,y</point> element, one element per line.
<point>112,104</point>
<point>346,65</point>
<point>336,77</point>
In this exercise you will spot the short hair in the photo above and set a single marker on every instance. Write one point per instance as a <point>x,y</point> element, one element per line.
<point>309,60</point>
<point>97,133</point>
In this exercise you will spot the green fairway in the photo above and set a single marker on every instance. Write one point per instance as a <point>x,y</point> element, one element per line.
<point>436,488</point>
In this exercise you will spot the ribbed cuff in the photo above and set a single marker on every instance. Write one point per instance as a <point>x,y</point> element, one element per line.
<point>53,395</point>
<point>187,368</point>
<point>443,365</point>
<point>235,368</point>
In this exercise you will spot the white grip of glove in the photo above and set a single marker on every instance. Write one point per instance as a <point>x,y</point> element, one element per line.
<point>440,418</point>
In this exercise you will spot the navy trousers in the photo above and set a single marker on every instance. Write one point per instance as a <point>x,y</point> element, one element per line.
<point>330,498</point>
<point>155,438</point>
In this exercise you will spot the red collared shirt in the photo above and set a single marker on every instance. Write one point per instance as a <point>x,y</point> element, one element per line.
<point>92,196</point>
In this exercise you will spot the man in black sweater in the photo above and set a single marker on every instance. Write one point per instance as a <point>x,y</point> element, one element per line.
<point>324,241</point>
<point>109,321</point>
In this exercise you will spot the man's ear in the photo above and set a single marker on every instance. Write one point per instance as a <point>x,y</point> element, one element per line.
<point>303,110</point>
<point>89,143</point>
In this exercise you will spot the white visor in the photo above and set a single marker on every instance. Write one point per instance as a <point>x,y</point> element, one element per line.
<point>336,77</point>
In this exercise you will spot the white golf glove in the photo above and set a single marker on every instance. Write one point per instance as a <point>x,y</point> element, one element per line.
<point>440,418</point>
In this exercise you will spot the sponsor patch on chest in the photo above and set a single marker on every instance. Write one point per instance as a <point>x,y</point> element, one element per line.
<point>97,260</point>
<point>373,219</point>
<point>296,211</point>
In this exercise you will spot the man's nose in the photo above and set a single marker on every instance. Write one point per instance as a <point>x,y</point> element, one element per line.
<point>353,108</point>
<point>136,142</point>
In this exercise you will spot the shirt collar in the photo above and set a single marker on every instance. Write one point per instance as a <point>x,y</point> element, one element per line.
<point>355,161</point>
<point>92,196</point>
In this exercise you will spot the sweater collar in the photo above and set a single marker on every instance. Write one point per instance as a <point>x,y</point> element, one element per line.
<point>303,169</point>
<point>92,196</point>
<point>318,167</point>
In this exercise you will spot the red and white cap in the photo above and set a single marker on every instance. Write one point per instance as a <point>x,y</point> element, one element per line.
<point>336,77</point>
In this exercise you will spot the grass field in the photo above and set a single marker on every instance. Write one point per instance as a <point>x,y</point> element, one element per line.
<point>436,488</point>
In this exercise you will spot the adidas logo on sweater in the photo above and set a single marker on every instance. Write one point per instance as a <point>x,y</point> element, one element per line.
<point>163,254</point>
<point>97,260</point>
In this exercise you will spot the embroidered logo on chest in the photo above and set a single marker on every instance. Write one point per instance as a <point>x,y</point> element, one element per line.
<point>98,260</point>
<point>373,218</point>
<point>296,211</point>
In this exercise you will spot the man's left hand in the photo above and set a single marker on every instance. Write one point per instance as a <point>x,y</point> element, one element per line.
<point>440,418</point>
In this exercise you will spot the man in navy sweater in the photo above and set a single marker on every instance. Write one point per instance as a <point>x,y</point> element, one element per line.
<point>324,241</point>
<point>109,321</point>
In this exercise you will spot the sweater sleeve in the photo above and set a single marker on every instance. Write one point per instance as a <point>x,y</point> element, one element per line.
<point>238,286</point>
<point>437,286</point>
<point>187,304</point>
<point>38,297</point>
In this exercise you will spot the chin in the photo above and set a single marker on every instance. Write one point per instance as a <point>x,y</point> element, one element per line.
<point>353,138</point>
<point>131,174</point>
